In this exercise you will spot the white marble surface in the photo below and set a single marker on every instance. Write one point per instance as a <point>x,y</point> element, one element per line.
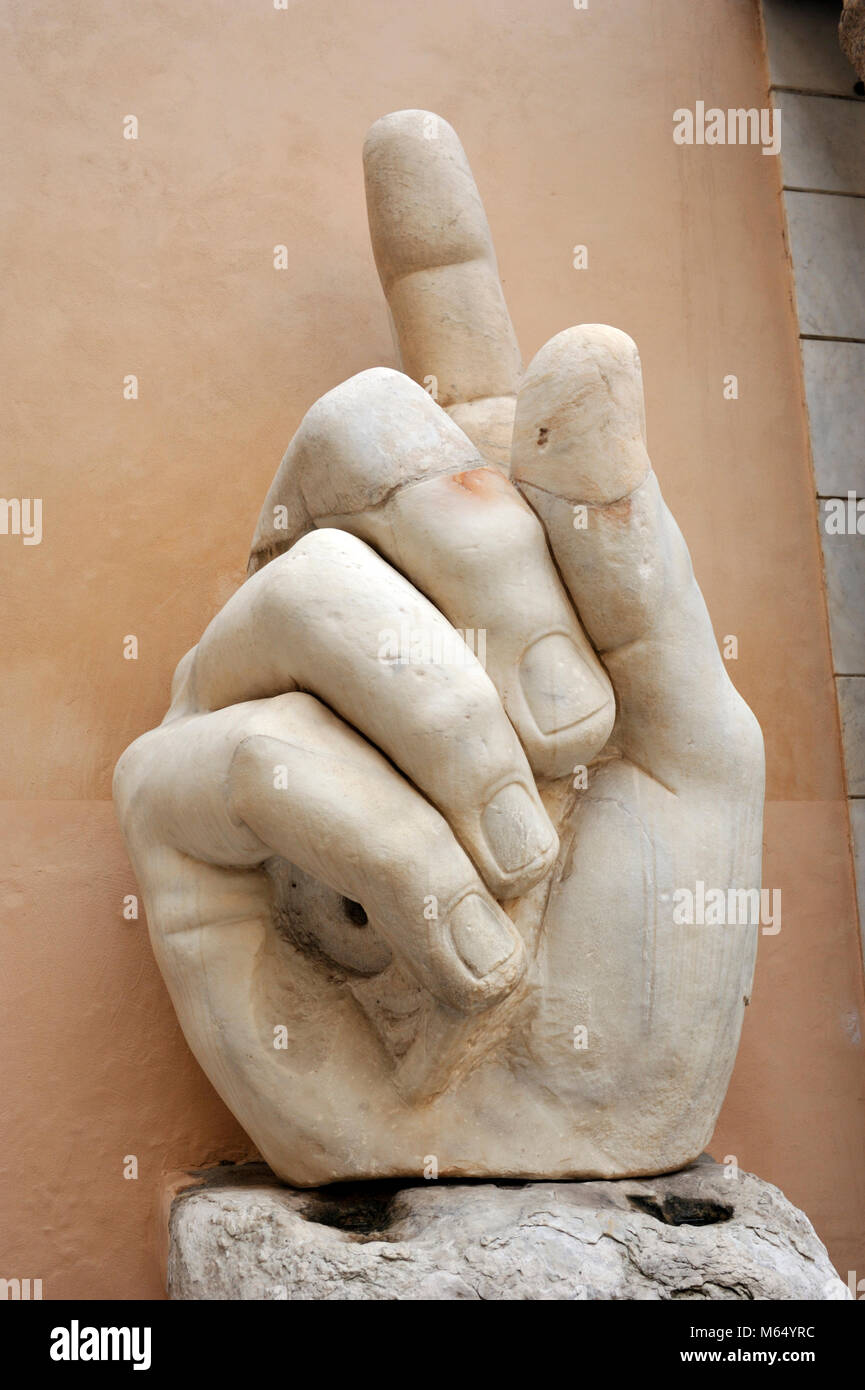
<point>827,238</point>
<point>835,391</point>
<point>857,826</point>
<point>851,703</point>
<point>844,559</point>
<point>822,142</point>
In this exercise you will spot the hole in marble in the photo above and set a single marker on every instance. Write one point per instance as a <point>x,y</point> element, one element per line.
<point>354,912</point>
<point>859,89</point>
<point>674,1210</point>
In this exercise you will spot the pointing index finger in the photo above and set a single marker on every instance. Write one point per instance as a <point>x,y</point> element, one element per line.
<point>438,270</point>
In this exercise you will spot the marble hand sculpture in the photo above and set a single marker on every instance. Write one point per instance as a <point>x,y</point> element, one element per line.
<point>410,833</point>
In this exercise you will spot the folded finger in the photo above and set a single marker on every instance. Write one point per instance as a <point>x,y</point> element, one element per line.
<point>378,458</point>
<point>329,617</point>
<point>286,777</point>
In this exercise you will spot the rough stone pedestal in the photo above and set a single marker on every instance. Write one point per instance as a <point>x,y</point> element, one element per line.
<point>240,1234</point>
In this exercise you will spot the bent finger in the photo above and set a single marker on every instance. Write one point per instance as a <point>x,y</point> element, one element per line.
<point>376,457</point>
<point>286,777</point>
<point>328,617</point>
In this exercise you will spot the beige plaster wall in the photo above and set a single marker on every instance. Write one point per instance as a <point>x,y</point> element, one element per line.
<point>154,257</point>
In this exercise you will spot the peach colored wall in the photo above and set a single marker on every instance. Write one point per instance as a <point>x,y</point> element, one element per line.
<point>155,258</point>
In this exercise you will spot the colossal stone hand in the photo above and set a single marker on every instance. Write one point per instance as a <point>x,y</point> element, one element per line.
<point>412,906</point>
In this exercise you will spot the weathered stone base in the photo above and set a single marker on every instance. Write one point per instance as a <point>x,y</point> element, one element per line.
<point>696,1234</point>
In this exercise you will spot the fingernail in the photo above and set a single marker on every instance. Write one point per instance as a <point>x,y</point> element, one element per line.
<point>481,939</point>
<point>559,686</point>
<point>516,831</point>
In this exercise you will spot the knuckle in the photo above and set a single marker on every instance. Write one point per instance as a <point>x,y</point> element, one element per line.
<point>368,437</point>
<point>478,692</point>
<point>132,772</point>
<point>742,743</point>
